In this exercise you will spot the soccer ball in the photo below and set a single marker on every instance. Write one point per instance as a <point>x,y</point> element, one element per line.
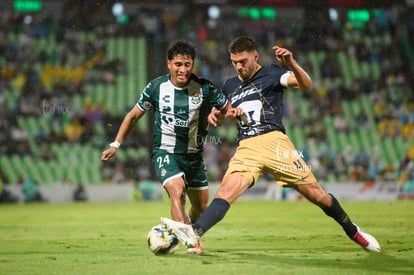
<point>161,241</point>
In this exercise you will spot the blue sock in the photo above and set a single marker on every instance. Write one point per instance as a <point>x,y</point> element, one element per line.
<point>214,213</point>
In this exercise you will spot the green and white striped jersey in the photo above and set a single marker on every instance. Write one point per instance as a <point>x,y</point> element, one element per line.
<point>180,113</point>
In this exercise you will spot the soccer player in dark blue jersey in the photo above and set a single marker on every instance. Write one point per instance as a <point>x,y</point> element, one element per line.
<point>256,93</point>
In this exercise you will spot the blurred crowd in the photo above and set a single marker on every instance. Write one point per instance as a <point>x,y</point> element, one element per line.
<point>44,81</point>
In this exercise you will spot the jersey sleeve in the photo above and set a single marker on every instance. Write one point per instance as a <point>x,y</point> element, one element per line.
<point>280,75</point>
<point>284,78</point>
<point>145,101</point>
<point>217,98</point>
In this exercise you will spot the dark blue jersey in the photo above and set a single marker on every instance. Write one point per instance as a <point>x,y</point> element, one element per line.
<point>261,99</point>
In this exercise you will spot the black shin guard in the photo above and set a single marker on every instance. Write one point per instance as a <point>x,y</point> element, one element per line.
<point>340,216</point>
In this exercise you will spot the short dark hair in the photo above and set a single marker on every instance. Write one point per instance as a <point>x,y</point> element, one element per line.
<point>241,44</point>
<point>181,47</point>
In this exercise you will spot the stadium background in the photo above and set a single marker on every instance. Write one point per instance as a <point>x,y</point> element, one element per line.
<point>70,70</point>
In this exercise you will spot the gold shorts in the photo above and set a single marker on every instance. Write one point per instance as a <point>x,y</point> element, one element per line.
<point>271,153</point>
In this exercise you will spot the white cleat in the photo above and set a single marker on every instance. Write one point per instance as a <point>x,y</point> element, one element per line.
<point>366,240</point>
<point>184,232</point>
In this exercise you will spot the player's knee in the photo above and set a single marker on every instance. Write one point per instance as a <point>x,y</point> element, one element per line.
<point>232,187</point>
<point>176,194</point>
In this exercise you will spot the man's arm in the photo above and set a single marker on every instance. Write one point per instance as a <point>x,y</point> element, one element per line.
<point>300,78</point>
<point>226,112</point>
<point>127,125</point>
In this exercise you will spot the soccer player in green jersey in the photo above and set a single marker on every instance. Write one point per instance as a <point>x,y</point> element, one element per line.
<point>181,102</point>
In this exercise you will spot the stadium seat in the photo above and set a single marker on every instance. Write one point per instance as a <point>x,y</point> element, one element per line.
<point>30,167</point>
<point>78,102</point>
<point>95,175</point>
<point>45,173</point>
<point>347,111</point>
<point>354,141</point>
<point>365,72</point>
<point>365,104</point>
<point>332,137</point>
<point>299,134</point>
<point>390,147</point>
<point>355,107</point>
<point>345,68</point>
<point>367,41</point>
<point>355,68</point>
<point>17,165</point>
<point>342,140</point>
<point>313,58</point>
<point>9,171</point>
<point>56,170</point>
<point>363,137</point>
<point>376,70</point>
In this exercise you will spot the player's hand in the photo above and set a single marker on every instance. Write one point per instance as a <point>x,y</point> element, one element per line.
<point>283,55</point>
<point>214,117</point>
<point>108,153</point>
<point>234,113</point>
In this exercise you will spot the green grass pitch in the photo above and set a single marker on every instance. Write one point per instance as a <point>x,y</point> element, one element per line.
<point>256,237</point>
